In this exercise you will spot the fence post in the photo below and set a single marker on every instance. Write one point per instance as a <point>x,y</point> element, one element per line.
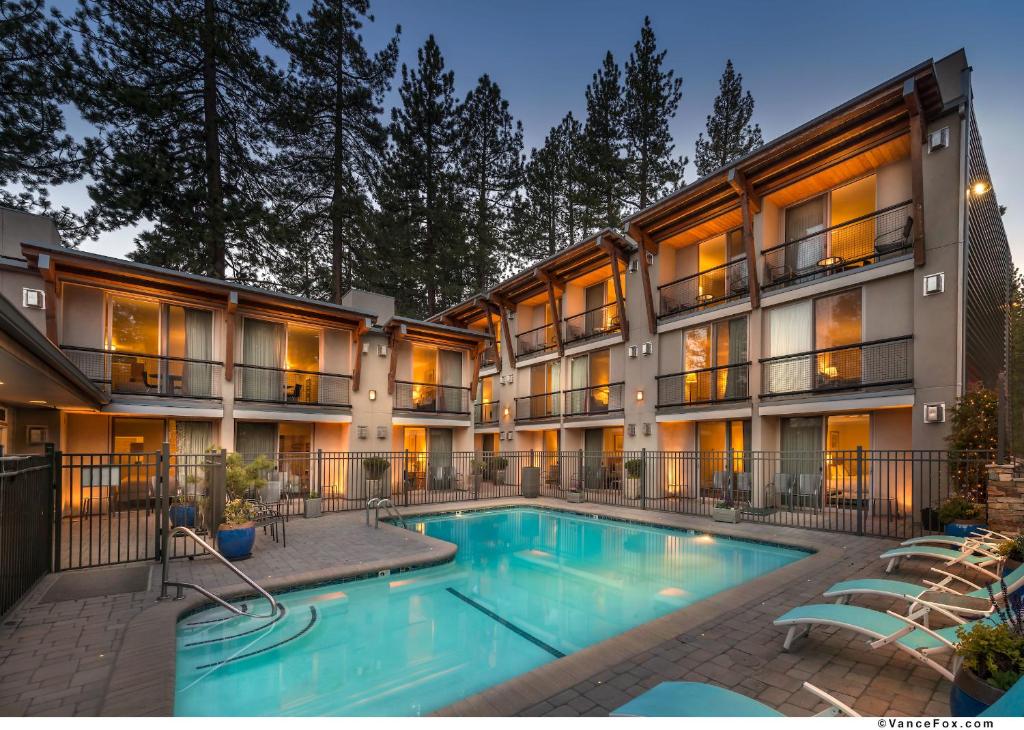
<point>56,504</point>
<point>581,476</point>
<point>218,490</point>
<point>860,490</point>
<point>320,472</point>
<point>405,477</point>
<point>163,482</point>
<point>531,457</point>
<point>643,478</point>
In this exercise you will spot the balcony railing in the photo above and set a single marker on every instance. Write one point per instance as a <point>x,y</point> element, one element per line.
<point>539,406</point>
<point>707,385</point>
<point>489,357</point>
<point>594,399</point>
<point>865,364</point>
<point>712,286</point>
<point>486,412</point>
<point>858,242</point>
<point>535,341</point>
<point>128,373</point>
<point>431,398</point>
<point>597,322</point>
<point>291,387</point>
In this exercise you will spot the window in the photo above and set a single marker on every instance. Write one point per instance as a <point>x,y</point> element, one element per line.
<point>715,346</point>
<point>841,244</point>
<point>544,387</point>
<point>721,445</point>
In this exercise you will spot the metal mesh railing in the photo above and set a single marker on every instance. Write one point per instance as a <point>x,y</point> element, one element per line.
<point>715,285</point>
<point>594,400</point>
<point>431,398</point>
<point>597,322</point>
<point>127,373</point>
<point>707,385</point>
<point>295,387</point>
<point>857,242</point>
<point>486,412</point>
<point>536,341</point>
<point>881,362</point>
<point>542,405</point>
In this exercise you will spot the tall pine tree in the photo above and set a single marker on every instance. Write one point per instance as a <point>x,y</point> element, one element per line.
<point>330,134</point>
<point>651,100</point>
<point>491,167</point>
<point>604,143</point>
<point>421,237</point>
<point>730,133</point>
<point>180,95</point>
<point>35,150</point>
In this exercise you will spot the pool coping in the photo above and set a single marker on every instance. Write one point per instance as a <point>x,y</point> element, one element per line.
<point>143,678</point>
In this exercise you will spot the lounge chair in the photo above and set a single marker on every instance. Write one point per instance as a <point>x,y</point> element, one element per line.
<point>845,590</point>
<point>972,554</point>
<point>903,632</point>
<point>694,699</point>
<point>980,535</point>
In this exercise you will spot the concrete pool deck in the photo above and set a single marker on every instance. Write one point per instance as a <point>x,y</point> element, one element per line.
<point>114,655</point>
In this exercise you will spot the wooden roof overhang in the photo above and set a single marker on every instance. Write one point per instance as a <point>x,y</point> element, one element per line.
<point>61,265</point>
<point>402,329</point>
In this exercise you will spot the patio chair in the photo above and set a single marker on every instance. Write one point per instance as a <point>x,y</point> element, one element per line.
<point>743,489</point>
<point>980,535</point>
<point>694,699</point>
<point>894,241</point>
<point>783,486</point>
<point>721,484</point>
<point>1014,580</point>
<point>269,515</point>
<point>293,394</point>
<point>808,490</point>
<point>972,554</point>
<point>905,633</point>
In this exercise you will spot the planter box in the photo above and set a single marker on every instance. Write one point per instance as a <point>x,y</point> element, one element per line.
<point>576,497</point>
<point>311,507</point>
<point>723,514</point>
<point>183,515</point>
<point>235,541</point>
<point>530,481</point>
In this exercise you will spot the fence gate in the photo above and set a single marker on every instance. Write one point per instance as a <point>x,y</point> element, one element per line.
<point>25,524</point>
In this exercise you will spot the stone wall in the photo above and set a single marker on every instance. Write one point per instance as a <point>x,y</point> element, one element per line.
<point>1005,500</point>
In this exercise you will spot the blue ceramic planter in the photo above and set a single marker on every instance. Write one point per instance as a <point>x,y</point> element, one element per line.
<point>235,542</point>
<point>963,528</point>
<point>183,515</point>
<point>970,696</point>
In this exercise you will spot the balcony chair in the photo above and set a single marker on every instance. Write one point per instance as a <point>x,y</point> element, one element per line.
<point>808,490</point>
<point>894,241</point>
<point>784,486</point>
<point>139,376</point>
<point>738,283</point>
<point>293,393</point>
<point>743,488</point>
<point>721,485</point>
<point>779,274</point>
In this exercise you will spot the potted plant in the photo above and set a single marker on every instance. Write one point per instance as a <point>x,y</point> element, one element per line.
<point>725,510</point>
<point>960,516</point>
<point>498,465</point>
<point>375,467</point>
<point>634,471</point>
<point>311,505</point>
<point>575,494</point>
<point>477,467</point>
<point>183,510</point>
<point>993,659</point>
<point>1013,551</point>
<point>237,535</point>
<point>244,479</point>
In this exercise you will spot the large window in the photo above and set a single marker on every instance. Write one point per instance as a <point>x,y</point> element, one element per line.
<point>707,351</point>
<point>840,244</point>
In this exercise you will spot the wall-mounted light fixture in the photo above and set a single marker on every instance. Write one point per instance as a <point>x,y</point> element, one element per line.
<point>382,432</point>
<point>373,394</point>
<point>362,431</point>
<point>507,411</point>
<point>639,395</point>
<point>980,187</point>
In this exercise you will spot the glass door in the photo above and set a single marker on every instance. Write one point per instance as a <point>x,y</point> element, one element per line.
<point>440,459</point>
<point>263,350</point>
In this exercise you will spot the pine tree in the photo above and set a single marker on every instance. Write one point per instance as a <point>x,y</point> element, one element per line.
<point>35,149</point>
<point>180,97</point>
<point>539,223</point>
<point>421,238</point>
<point>491,167</point>
<point>603,144</point>
<point>651,100</point>
<point>330,133</point>
<point>730,134</point>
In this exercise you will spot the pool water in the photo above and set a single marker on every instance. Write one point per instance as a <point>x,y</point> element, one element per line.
<point>526,587</point>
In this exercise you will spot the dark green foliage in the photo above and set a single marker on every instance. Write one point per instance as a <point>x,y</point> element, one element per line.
<point>180,98</point>
<point>1015,357</point>
<point>730,133</point>
<point>972,442</point>
<point>652,96</point>
<point>994,651</point>
<point>331,140</point>
<point>35,150</point>
<point>604,163</point>
<point>958,508</point>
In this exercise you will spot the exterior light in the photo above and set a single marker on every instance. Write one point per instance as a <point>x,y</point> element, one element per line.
<point>981,187</point>
<point>507,411</point>
<point>639,395</point>
<point>372,394</point>
<point>38,402</point>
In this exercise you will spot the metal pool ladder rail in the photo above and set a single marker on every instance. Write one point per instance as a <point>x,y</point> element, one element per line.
<point>165,583</point>
<point>385,503</point>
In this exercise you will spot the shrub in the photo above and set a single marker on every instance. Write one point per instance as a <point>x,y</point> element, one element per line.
<point>375,466</point>
<point>241,477</point>
<point>958,508</point>
<point>726,503</point>
<point>634,467</point>
<point>995,652</point>
<point>497,463</point>
<point>1012,549</point>
<point>238,512</point>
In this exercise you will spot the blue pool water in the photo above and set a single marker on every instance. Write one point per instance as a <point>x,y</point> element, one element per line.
<point>527,586</point>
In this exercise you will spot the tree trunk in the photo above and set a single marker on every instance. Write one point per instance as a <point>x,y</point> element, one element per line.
<point>215,228</point>
<point>337,192</point>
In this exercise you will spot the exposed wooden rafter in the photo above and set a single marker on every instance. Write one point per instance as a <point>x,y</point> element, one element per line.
<point>230,315</point>
<point>615,255</point>
<point>554,282</point>
<point>395,334</point>
<point>646,245</point>
<point>48,270</point>
<point>504,306</point>
<point>913,103</point>
<point>750,203</point>
<point>357,351</point>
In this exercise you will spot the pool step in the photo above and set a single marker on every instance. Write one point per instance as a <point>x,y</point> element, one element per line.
<point>243,632</point>
<point>270,630</point>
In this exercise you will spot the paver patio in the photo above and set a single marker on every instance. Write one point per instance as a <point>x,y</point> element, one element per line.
<point>58,658</point>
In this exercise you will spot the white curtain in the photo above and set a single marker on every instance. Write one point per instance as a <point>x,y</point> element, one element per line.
<point>256,439</point>
<point>450,366</point>
<point>579,374</point>
<point>802,220</point>
<point>789,328</point>
<point>194,437</point>
<point>262,345</point>
<point>198,346</point>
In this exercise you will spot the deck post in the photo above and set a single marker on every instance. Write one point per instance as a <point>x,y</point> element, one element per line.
<point>860,490</point>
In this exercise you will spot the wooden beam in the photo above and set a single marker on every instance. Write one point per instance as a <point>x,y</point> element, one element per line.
<point>913,104</point>
<point>739,183</point>
<point>503,306</point>
<point>229,336</point>
<point>614,253</point>
<point>475,370</point>
<point>357,346</point>
<point>48,271</point>
<point>753,284</point>
<point>394,335</point>
<point>491,311</point>
<point>640,236</point>
<point>556,311</point>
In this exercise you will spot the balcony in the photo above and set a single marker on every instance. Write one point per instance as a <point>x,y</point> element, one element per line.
<point>486,413</point>
<point>536,341</point>
<point>538,407</point>
<point>865,240</point>
<point>489,357</point>
<point>705,386</point>
<point>597,322</point>
<point>261,384</point>
<point>594,400</point>
<point>127,373</point>
<point>866,364</point>
<point>431,398</point>
<point>705,288</point>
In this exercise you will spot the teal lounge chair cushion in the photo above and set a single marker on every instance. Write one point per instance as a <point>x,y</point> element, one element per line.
<point>877,585</point>
<point>693,699</point>
<point>942,553</point>
<point>867,620</point>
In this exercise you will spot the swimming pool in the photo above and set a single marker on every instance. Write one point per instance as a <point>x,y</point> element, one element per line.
<point>526,587</point>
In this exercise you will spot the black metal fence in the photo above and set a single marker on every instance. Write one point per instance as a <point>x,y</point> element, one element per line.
<point>26,520</point>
